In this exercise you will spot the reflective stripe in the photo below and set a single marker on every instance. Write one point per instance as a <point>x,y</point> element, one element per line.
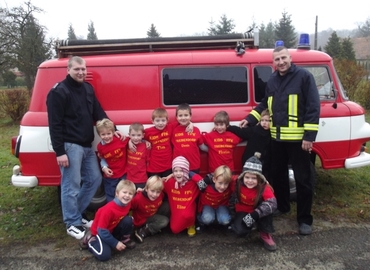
<point>311,127</point>
<point>293,111</point>
<point>287,133</point>
<point>269,106</point>
<point>256,115</point>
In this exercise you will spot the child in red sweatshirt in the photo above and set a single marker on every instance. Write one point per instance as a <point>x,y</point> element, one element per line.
<point>182,195</point>
<point>149,213</point>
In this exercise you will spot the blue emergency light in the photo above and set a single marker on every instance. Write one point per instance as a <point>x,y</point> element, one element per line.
<point>304,41</point>
<point>279,43</point>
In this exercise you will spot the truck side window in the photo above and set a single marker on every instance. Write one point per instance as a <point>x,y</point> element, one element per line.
<point>323,82</point>
<point>205,85</point>
<point>261,76</point>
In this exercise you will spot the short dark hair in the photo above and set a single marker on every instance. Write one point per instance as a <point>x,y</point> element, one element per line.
<point>183,106</point>
<point>279,49</point>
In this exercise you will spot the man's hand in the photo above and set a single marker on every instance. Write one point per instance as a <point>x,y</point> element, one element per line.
<point>307,146</point>
<point>243,123</point>
<point>63,161</point>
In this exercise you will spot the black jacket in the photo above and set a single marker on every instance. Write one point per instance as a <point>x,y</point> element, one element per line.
<point>294,105</point>
<point>258,141</point>
<point>72,111</point>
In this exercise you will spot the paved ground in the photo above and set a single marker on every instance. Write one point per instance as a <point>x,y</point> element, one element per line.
<point>331,246</point>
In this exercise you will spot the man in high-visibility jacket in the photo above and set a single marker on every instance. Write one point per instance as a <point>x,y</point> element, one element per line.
<point>294,104</point>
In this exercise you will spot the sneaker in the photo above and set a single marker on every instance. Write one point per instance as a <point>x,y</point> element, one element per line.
<point>142,233</point>
<point>305,229</point>
<point>128,242</point>
<point>86,222</point>
<point>191,231</point>
<point>76,231</point>
<point>268,242</point>
<point>84,242</point>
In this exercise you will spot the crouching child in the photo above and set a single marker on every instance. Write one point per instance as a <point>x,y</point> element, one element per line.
<point>255,203</point>
<point>112,226</point>
<point>149,213</point>
<point>216,190</point>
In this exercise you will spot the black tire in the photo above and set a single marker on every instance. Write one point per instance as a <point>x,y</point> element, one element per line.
<point>292,186</point>
<point>98,200</point>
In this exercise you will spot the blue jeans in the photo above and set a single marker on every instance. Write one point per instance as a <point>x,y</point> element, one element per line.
<point>209,215</point>
<point>79,182</point>
<point>110,185</point>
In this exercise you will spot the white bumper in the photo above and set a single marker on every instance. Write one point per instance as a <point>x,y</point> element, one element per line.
<point>362,160</point>
<point>18,180</point>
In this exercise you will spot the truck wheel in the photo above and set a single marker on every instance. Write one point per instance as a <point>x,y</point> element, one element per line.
<point>293,190</point>
<point>98,200</point>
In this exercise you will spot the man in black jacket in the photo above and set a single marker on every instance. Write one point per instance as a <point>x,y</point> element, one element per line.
<point>72,110</point>
<point>294,106</point>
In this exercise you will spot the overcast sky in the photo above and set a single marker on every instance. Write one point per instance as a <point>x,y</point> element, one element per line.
<point>132,19</point>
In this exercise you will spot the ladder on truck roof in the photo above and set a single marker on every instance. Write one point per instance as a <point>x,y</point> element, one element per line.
<point>68,48</point>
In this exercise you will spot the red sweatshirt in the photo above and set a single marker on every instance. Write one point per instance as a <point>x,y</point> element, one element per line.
<point>247,197</point>
<point>161,152</point>
<point>142,208</point>
<point>136,164</point>
<point>182,204</point>
<point>115,155</point>
<point>220,149</point>
<point>187,145</point>
<point>215,199</point>
<point>108,216</point>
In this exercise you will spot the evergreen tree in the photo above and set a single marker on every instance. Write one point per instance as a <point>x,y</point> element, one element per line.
<point>285,31</point>
<point>347,50</point>
<point>152,32</point>
<point>71,33</point>
<point>225,26</point>
<point>334,47</point>
<point>91,35</point>
<point>32,50</point>
<point>267,39</point>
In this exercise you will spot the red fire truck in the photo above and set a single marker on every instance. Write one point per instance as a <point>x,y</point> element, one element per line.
<point>132,77</point>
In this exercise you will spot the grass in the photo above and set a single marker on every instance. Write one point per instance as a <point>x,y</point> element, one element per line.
<point>34,215</point>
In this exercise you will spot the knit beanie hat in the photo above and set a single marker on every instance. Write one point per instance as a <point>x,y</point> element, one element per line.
<point>254,166</point>
<point>183,163</point>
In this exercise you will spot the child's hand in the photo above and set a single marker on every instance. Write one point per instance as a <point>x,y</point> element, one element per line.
<point>108,172</point>
<point>119,135</point>
<point>148,145</point>
<point>189,128</point>
<point>165,179</point>
<point>139,189</point>
<point>132,146</point>
<point>120,246</point>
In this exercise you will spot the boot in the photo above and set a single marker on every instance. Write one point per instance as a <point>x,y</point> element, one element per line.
<point>141,233</point>
<point>126,240</point>
<point>268,242</point>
